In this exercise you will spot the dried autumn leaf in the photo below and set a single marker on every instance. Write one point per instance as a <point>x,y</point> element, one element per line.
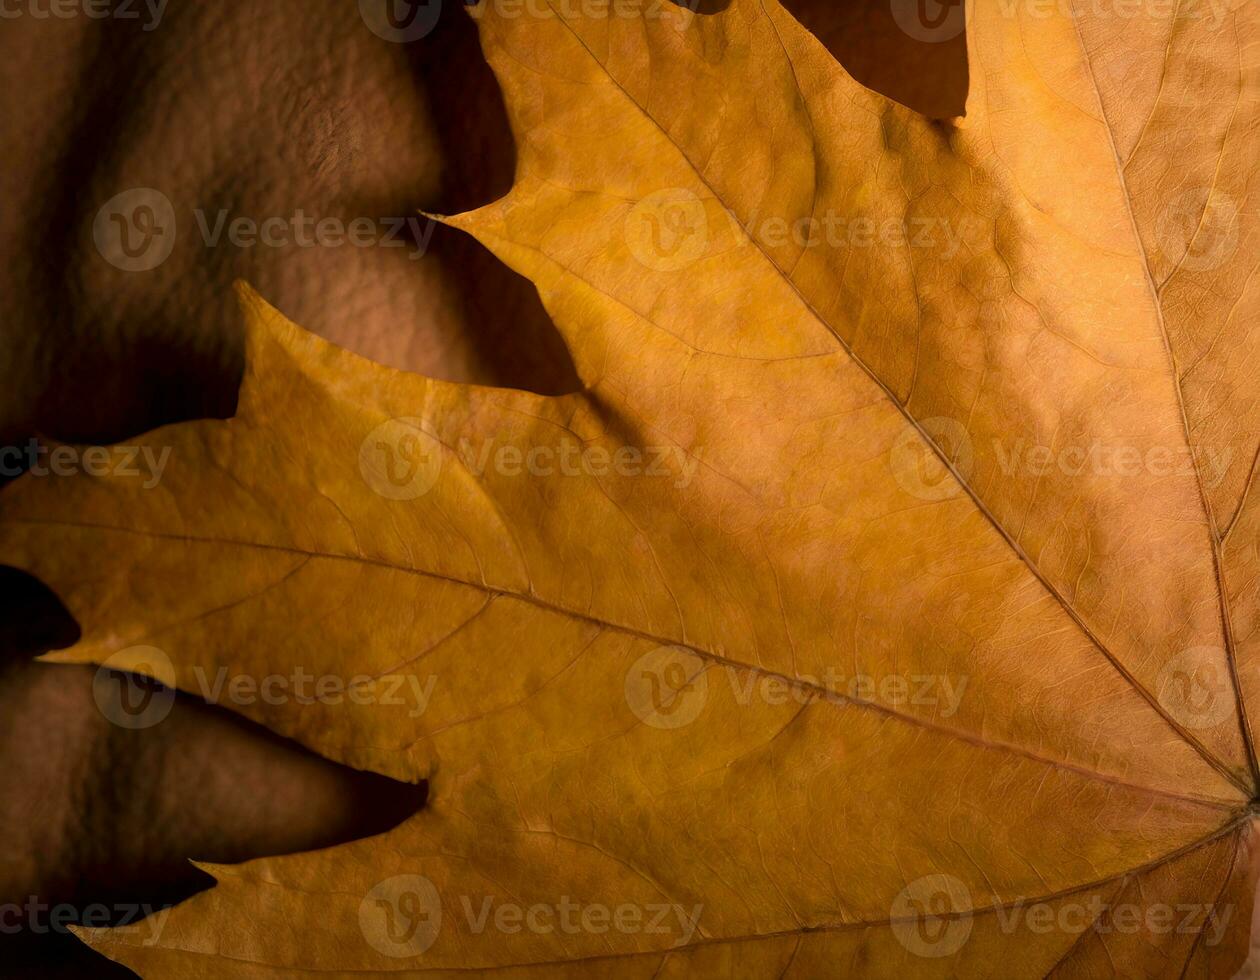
<point>879,606</point>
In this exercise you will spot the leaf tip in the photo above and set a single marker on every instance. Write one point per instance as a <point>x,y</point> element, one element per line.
<point>209,867</point>
<point>65,656</point>
<point>273,344</point>
<point>261,318</point>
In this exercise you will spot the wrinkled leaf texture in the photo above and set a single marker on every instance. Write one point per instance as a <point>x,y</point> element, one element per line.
<point>848,415</point>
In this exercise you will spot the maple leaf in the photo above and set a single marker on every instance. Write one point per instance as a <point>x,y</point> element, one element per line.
<point>886,600</point>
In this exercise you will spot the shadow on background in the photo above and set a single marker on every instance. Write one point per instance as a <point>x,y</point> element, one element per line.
<point>112,838</point>
<point>912,51</point>
<point>522,346</point>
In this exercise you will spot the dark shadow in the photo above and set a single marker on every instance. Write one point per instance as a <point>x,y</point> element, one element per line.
<point>32,618</point>
<point>703,7</point>
<point>515,336</point>
<point>160,379</point>
<point>911,51</point>
<point>167,371</point>
<point>202,783</point>
<point>55,955</point>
